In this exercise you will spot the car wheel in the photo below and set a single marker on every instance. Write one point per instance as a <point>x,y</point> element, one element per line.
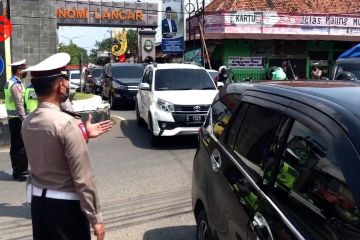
<point>202,227</point>
<point>154,140</point>
<point>139,120</point>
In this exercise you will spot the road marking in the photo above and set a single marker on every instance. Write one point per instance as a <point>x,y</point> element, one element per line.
<point>121,118</point>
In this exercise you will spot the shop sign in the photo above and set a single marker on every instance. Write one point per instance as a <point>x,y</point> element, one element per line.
<point>245,18</point>
<point>246,62</point>
<point>282,23</point>
<point>115,13</point>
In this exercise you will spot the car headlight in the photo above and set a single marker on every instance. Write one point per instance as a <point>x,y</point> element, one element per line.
<point>97,82</point>
<point>165,106</point>
<point>118,86</point>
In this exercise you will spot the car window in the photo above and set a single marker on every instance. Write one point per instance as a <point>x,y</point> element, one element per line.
<point>75,76</point>
<point>96,73</point>
<point>221,112</point>
<point>353,69</point>
<point>257,134</point>
<point>183,79</point>
<point>145,76</point>
<point>150,77</point>
<point>128,72</point>
<point>312,189</point>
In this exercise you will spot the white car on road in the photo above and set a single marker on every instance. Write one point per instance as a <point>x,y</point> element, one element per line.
<point>74,78</point>
<point>173,99</point>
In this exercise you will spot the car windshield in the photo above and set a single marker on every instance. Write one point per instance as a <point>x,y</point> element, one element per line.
<point>96,72</point>
<point>183,79</point>
<point>128,72</point>
<point>349,67</point>
<point>213,74</point>
<point>75,75</point>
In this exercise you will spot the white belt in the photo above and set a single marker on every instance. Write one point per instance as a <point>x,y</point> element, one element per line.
<point>55,194</point>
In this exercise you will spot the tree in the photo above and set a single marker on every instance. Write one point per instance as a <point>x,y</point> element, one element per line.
<point>107,43</point>
<point>74,51</point>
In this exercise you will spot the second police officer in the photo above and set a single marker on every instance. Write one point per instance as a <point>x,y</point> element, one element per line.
<point>14,103</point>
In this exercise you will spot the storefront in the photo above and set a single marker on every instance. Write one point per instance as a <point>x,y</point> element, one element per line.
<point>251,42</point>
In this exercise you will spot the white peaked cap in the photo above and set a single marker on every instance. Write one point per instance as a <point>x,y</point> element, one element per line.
<point>18,63</point>
<point>54,62</point>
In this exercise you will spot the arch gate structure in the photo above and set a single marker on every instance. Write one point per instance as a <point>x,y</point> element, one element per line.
<point>35,22</point>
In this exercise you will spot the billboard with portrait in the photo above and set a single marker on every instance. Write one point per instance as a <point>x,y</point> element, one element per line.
<point>172,26</point>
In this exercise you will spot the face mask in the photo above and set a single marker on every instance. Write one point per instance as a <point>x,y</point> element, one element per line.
<point>65,96</point>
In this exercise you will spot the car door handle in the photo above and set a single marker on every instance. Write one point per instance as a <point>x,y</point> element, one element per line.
<point>261,228</point>
<point>215,160</point>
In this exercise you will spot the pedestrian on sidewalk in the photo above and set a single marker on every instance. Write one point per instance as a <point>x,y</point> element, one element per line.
<point>64,196</point>
<point>14,103</point>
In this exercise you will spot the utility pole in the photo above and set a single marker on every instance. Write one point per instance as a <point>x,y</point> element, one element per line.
<point>81,69</point>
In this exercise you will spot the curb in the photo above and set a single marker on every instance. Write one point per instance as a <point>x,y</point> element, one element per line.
<point>100,114</point>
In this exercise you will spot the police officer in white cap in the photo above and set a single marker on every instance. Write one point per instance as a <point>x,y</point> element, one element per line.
<point>64,196</point>
<point>14,103</point>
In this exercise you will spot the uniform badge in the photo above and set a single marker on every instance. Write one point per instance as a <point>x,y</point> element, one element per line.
<point>83,131</point>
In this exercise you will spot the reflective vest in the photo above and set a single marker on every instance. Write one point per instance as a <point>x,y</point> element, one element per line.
<point>31,101</point>
<point>9,100</point>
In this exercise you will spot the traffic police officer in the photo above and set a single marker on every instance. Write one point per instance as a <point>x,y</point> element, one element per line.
<point>14,103</point>
<point>30,99</point>
<point>64,196</point>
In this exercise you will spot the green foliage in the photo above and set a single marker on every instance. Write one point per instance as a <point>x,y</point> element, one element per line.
<point>74,51</point>
<point>107,43</point>
<point>82,96</point>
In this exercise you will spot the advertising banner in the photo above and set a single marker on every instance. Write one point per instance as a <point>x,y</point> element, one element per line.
<point>193,56</point>
<point>172,27</point>
<point>257,22</point>
<point>245,62</point>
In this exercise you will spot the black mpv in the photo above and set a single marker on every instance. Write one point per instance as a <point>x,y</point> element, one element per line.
<point>280,160</point>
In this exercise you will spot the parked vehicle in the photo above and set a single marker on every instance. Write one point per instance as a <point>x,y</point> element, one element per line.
<point>173,99</point>
<point>279,160</point>
<point>74,78</point>
<point>120,82</point>
<point>92,79</point>
<point>347,69</point>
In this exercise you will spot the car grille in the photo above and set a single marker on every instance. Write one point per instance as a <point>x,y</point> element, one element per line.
<point>201,109</point>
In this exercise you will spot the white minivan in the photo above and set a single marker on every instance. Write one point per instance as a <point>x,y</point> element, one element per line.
<point>174,99</point>
<point>74,78</point>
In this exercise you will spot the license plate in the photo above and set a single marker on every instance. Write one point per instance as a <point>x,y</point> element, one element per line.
<point>194,118</point>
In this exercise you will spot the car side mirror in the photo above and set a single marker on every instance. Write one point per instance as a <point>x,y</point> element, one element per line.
<point>144,86</point>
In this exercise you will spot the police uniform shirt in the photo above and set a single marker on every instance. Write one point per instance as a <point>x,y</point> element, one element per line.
<point>64,163</point>
<point>17,94</point>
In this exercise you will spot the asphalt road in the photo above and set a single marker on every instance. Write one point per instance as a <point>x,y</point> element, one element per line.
<point>145,191</point>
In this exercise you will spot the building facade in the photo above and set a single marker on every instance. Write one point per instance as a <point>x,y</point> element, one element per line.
<point>252,36</point>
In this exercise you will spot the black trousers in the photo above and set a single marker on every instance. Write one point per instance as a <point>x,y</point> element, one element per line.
<point>19,161</point>
<point>54,219</point>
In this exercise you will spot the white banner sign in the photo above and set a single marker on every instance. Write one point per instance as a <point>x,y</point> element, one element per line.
<point>245,62</point>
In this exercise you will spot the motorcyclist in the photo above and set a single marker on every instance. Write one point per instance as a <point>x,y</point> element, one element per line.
<point>278,74</point>
<point>223,75</point>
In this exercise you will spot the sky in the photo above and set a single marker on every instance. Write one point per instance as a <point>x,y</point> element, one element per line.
<point>86,37</point>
